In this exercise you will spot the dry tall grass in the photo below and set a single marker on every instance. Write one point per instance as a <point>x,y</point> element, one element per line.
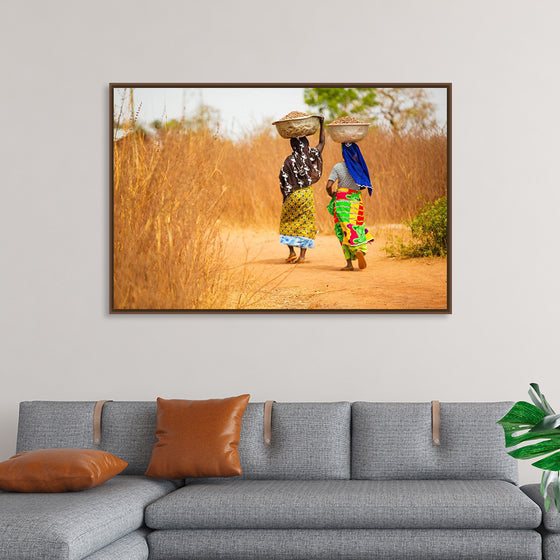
<point>167,203</point>
<point>175,195</point>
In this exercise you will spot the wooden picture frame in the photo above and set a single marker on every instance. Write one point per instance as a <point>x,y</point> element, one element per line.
<point>195,200</point>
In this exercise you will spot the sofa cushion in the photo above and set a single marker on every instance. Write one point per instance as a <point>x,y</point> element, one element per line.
<point>127,428</point>
<point>551,518</point>
<point>345,504</point>
<point>70,526</point>
<point>51,424</point>
<point>58,470</point>
<point>551,546</point>
<point>394,441</point>
<point>130,547</point>
<point>349,544</point>
<point>310,441</point>
<point>197,438</point>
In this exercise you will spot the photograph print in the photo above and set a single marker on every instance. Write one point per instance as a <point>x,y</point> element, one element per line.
<point>284,198</point>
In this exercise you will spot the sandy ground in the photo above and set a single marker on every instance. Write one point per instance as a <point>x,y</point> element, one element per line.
<point>257,260</point>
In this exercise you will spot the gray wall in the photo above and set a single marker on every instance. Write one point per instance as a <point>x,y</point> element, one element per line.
<point>57,339</point>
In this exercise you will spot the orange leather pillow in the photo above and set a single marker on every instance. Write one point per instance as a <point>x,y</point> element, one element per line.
<point>58,470</point>
<point>197,438</point>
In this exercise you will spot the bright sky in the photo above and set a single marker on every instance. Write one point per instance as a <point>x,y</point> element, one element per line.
<point>241,109</point>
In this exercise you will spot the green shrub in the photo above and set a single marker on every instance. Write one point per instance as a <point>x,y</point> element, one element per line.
<point>429,233</point>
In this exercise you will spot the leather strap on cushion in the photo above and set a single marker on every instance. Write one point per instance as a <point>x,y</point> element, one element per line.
<point>98,409</point>
<point>435,422</point>
<point>268,422</point>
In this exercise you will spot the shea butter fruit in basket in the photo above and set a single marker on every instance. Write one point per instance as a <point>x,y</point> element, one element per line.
<point>296,124</point>
<point>348,129</point>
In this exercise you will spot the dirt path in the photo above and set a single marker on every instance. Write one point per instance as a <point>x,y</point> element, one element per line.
<point>257,259</point>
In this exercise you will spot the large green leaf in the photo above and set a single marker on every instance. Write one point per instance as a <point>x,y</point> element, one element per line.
<point>534,431</point>
<point>512,441</point>
<point>526,422</point>
<point>522,414</point>
<point>536,450</point>
<point>550,463</point>
<point>519,420</point>
<point>547,423</point>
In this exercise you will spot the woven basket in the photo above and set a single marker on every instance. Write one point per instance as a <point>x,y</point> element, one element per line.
<point>348,132</point>
<point>300,126</point>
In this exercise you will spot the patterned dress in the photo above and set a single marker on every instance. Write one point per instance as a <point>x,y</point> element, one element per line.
<point>347,208</point>
<point>300,170</point>
<point>297,220</point>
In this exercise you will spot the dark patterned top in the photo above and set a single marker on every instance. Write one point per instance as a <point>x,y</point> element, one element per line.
<point>300,169</point>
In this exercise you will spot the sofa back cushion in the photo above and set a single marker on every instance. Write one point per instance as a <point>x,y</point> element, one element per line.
<point>127,428</point>
<point>46,424</point>
<point>309,440</point>
<point>394,441</point>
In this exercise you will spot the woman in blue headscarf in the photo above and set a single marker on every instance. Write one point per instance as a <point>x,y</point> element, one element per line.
<point>347,206</point>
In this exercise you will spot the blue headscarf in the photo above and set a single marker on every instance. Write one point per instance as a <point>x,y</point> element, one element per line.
<point>356,165</point>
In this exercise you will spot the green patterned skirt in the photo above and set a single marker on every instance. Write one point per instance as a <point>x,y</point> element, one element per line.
<point>347,208</point>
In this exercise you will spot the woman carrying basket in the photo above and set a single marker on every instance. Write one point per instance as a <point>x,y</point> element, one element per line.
<point>347,206</point>
<point>300,170</point>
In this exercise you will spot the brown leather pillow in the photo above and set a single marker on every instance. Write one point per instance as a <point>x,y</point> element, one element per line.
<point>197,438</point>
<point>58,470</point>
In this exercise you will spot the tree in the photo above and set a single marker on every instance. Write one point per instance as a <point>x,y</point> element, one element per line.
<point>399,108</point>
<point>405,108</point>
<point>336,102</point>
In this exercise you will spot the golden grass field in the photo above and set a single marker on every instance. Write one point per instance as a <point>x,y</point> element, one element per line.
<point>179,195</point>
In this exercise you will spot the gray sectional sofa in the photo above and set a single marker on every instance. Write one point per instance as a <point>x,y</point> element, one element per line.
<point>339,481</point>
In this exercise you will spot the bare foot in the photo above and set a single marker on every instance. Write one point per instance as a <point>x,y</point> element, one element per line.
<point>291,258</point>
<point>361,260</point>
<point>300,260</point>
<point>348,268</point>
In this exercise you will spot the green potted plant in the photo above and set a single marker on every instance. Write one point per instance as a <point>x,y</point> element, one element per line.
<point>533,430</point>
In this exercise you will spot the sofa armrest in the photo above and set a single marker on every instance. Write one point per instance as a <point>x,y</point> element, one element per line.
<point>551,518</point>
<point>550,528</point>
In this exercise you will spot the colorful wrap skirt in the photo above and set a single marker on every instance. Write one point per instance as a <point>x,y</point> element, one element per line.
<point>297,220</point>
<point>347,208</point>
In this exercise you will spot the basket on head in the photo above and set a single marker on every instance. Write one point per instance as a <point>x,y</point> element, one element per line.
<point>347,129</point>
<point>296,124</point>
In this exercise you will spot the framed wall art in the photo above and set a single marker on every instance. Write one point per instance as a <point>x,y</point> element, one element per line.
<point>280,198</point>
